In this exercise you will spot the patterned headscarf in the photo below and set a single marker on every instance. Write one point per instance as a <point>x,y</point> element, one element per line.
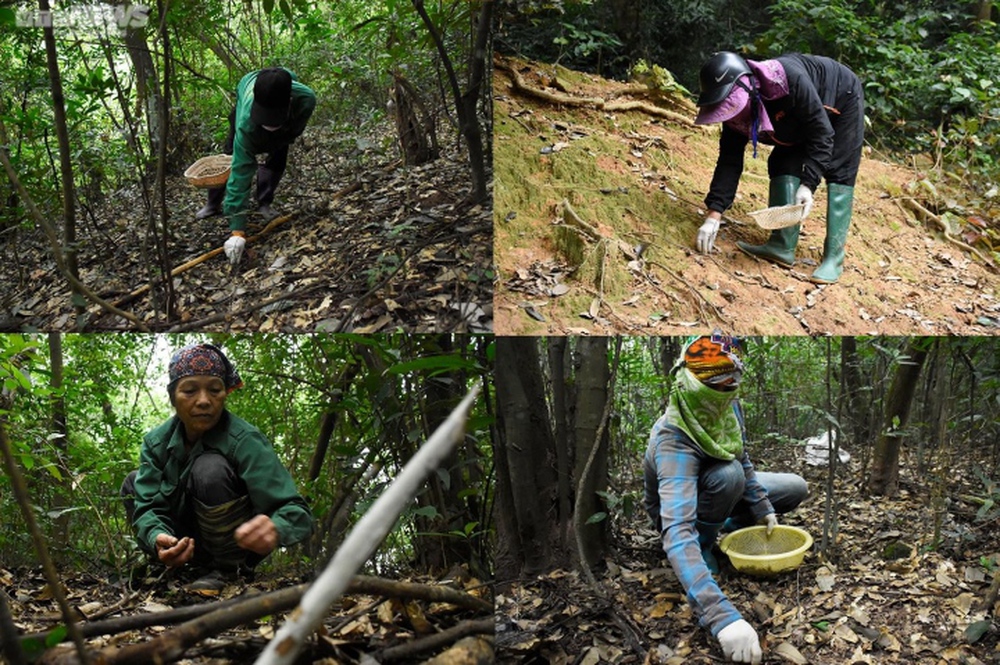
<point>202,360</point>
<point>704,413</point>
<point>715,360</point>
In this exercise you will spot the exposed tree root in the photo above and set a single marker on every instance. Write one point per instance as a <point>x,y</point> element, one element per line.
<point>595,102</point>
<point>926,214</point>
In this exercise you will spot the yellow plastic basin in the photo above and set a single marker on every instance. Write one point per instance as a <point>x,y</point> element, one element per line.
<point>752,551</point>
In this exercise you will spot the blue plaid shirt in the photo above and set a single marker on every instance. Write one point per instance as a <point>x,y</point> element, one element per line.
<point>675,461</point>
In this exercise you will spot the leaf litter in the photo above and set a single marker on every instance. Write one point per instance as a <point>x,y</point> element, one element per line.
<point>860,605</point>
<point>358,626</point>
<point>371,246</point>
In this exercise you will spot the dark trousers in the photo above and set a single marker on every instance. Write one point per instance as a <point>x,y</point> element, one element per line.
<point>268,174</point>
<point>848,139</point>
<point>218,503</point>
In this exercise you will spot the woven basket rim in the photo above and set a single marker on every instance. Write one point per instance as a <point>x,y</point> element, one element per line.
<point>209,163</point>
<point>779,217</point>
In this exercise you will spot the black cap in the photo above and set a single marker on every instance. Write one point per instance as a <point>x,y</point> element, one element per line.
<point>271,96</point>
<point>719,75</point>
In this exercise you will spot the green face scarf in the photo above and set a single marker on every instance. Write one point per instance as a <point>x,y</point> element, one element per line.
<point>706,415</point>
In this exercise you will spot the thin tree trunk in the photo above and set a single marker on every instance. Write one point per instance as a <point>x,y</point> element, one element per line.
<point>466,103</point>
<point>61,536</point>
<point>161,234</point>
<point>65,159</point>
<point>885,464</point>
<point>592,394</point>
<point>329,420</point>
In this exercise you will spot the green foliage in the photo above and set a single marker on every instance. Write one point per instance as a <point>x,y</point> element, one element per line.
<point>584,41</point>
<point>114,391</point>
<point>928,87</point>
<point>344,50</point>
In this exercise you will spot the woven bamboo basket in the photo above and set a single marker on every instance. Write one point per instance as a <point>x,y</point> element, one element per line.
<point>208,172</point>
<point>779,217</point>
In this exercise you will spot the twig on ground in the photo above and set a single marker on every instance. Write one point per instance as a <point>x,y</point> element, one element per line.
<point>923,212</point>
<point>438,640</point>
<point>271,226</point>
<point>359,584</point>
<point>690,288</point>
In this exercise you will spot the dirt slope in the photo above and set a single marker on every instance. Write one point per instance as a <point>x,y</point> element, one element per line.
<point>637,180</point>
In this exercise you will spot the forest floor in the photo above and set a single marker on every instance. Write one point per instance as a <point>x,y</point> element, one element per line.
<point>868,602</point>
<point>386,619</point>
<point>370,246</point>
<point>635,171</point>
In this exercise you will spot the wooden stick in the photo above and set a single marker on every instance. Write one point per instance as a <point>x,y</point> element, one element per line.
<point>438,640</point>
<point>365,538</point>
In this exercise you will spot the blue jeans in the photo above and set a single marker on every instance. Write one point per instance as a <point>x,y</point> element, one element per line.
<point>720,490</point>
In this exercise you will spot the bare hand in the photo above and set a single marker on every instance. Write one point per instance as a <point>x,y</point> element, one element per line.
<point>173,552</point>
<point>259,535</point>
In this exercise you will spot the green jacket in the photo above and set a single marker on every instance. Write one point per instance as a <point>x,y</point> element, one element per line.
<point>160,496</point>
<point>250,140</point>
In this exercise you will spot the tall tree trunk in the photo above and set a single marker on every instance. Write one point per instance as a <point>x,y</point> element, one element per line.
<point>885,463</point>
<point>65,159</point>
<point>591,398</point>
<point>466,103</point>
<point>526,489</point>
<point>442,392</point>
<point>984,10</point>
<point>147,86</point>
<point>856,399</point>
<point>557,369</point>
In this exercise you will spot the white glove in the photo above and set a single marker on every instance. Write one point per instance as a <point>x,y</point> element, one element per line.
<point>771,521</point>
<point>706,235</point>
<point>804,195</point>
<point>739,643</point>
<point>234,248</point>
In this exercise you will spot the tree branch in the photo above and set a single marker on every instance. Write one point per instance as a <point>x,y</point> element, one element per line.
<point>438,640</point>
<point>284,598</point>
<point>365,538</point>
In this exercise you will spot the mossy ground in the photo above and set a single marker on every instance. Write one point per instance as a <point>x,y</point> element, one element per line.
<point>639,180</point>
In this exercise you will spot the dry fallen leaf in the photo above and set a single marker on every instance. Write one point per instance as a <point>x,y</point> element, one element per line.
<point>788,651</point>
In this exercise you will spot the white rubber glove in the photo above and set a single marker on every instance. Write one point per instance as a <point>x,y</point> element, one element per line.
<point>739,643</point>
<point>804,195</point>
<point>771,521</point>
<point>706,235</point>
<point>234,247</point>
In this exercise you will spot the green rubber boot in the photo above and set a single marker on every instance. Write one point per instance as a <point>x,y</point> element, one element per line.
<point>707,533</point>
<point>839,201</point>
<point>780,247</point>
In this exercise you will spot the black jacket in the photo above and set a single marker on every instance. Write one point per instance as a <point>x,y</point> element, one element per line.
<point>818,88</point>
